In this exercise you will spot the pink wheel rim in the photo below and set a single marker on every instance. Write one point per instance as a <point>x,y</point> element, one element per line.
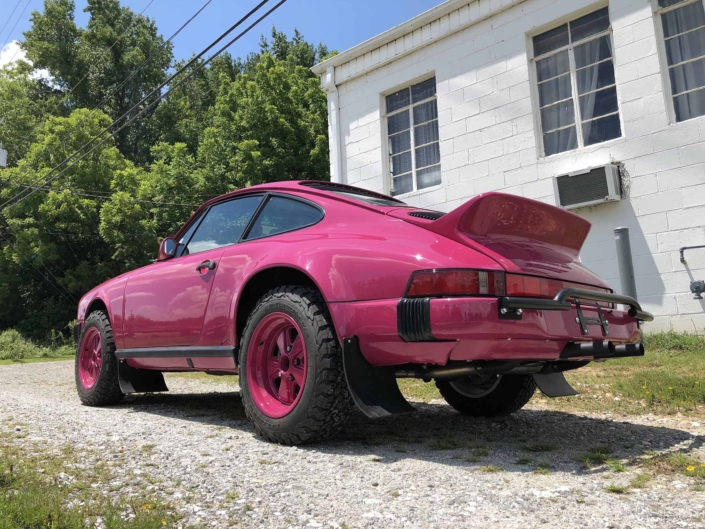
<point>276,365</point>
<point>90,358</point>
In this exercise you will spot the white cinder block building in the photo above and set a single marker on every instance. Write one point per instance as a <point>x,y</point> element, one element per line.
<point>561,101</point>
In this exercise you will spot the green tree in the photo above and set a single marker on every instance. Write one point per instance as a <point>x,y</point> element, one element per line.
<point>101,57</point>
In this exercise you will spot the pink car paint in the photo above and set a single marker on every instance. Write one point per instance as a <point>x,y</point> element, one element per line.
<point>361,257</point>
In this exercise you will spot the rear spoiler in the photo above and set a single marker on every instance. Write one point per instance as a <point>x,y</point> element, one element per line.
<point>515,231</point>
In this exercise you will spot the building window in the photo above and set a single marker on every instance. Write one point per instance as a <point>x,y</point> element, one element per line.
<point>683,24</point>
<point>412,129</point>
<point>576,88</point>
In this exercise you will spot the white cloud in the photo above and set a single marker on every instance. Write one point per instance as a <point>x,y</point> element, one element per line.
<point>12,53</point>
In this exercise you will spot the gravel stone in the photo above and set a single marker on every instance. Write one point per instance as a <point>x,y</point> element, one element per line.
<point>194,449</point>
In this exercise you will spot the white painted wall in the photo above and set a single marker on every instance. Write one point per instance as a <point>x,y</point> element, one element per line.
<point>488,133</point>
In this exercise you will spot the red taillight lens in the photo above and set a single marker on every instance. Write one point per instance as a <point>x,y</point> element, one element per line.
<point>541,287</point>
<point>456,283</point>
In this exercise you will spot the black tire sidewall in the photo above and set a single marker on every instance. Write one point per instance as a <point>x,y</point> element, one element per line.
<point>300,411</point>
<point>96,320</point>
<point>510,395</point>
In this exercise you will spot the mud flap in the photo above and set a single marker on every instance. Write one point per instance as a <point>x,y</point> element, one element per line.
<point>554,385</point>
<point>374,389</point>
<point>140,380</point>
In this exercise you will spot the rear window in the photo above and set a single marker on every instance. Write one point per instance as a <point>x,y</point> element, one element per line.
<point>369,197</point>
<point>280,215</point>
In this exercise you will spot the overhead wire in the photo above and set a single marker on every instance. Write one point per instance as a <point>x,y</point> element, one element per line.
<point>10,18</point>
<point>13,27</point>
<point>159,98</point>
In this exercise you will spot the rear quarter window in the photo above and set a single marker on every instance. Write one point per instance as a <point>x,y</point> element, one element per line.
<point>280,215</point>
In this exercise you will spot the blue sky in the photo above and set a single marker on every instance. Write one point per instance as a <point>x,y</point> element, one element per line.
<point>338,23</point>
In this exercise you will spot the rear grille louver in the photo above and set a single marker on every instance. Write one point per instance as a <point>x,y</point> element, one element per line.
<point>428,215</point>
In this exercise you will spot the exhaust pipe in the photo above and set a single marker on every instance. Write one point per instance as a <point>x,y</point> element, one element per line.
<point>596,349</point>
<point>428,373</point>
<point>630,349</point>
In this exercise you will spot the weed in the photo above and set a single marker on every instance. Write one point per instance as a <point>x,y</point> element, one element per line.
<point>616,489</point>
<point>541,447</point>
<point>232,495</point>
<point>616,466</point>
<point>596,456</point>
<point>640,481</point>
<point>491,468</point>
<point>524,461</point>
<point>444,443</point>
<point>395,494</point>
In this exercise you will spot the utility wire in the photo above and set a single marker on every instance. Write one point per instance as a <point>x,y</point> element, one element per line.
<point>159,88</point>
<point>10,18</point>
<point>161,96</point>
<point>13,27</point>
<point>104,196</point>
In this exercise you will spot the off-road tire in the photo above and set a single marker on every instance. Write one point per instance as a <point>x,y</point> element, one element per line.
<point>325,402</point>
<point>510,395</point>
<point>106,390</point>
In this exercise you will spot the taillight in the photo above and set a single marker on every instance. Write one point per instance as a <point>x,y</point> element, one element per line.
<point>429,283</point>
<point>541,287</point>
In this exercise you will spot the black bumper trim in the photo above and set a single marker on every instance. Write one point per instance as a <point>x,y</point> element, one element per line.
<point>177,352</point>
<point>414,320</point>
<point>77,328</point>
<point>560,302</point>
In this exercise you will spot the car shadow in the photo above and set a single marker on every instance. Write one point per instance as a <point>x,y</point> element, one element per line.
<point>522,442</point>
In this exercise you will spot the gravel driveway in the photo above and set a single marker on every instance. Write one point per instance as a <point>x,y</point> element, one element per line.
<point>194,448</point>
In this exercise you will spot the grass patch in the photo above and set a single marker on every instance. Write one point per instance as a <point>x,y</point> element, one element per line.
<point>677,463</point>
<point>616,466</point>
<point>444,443</point>
<point>415,389</point>
<point>617,489</point>
<point>230,380</point>
<point>665,381</point>
<point>36,493</point>
<point>538,448</point>
<point>491,468</point>
<point>640,481</point>
<point>524,461</point>
<point>595,457</point>
<point>395,494</point>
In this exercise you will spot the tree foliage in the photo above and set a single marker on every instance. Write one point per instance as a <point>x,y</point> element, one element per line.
<point>235,123</point>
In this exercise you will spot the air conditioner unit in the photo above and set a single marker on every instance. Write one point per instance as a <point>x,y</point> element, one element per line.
<point>588,187</point>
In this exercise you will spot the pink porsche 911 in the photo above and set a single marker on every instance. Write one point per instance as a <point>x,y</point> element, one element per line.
<point>321,295</point>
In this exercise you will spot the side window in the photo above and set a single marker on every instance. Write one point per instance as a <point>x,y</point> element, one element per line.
<point>283,214</point>
<point>183,241</point>
<point>223,224</point>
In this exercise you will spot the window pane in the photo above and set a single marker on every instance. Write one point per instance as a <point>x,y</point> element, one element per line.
<point>283,214</point>
<point>398,100</point>
<point>558,115</point>
<point>425,112</point>
<point>688,76</point>
<point>560,141</point>
<point>598,103</point>
<point>401,163</point>
<point>595,77</point>
<point>428,177</point>
<point>551,40</point>
<point>690,105</point>
<point>428,155</point>
<point>403,184</point>
<point>223,225</point>
<point>593,51</point>
<point>423,90</point>
<point>426,133</point>
<point>683,19</point>
<point>602,129</point>
<point>554,90</point>
<point>686,47</point>
<point>553,66</point>
<point>398,122</point>
<point>400,142</point>
<point>183,241</point>
<point>589,25</point>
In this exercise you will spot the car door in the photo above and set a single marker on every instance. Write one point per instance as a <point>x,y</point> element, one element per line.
<point>165,303</point>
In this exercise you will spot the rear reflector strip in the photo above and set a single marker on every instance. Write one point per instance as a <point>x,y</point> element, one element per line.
<point>541,287</point>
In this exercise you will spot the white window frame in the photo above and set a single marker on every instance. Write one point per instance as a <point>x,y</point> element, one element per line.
<point>578,124</point>
<point>663,58</point>
<point>387,154</point>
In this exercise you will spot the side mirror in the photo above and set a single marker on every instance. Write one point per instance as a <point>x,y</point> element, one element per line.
<point>167,249</point>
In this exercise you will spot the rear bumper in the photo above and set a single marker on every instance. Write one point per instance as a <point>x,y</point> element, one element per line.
<point>438,330</point>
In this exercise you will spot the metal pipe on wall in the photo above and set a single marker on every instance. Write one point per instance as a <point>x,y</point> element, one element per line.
<point>625,262</point>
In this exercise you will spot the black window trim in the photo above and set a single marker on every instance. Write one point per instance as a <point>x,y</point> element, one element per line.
<point>204,213</point>
<point>262,205</point>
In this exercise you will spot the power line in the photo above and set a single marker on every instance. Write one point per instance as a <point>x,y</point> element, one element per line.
<point>10,18</point>
<point>157,90</point>
<point>13,27</point>
<point>104,196</point>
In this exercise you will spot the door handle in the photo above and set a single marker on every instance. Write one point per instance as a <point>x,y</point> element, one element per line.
<point>210,265</point>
